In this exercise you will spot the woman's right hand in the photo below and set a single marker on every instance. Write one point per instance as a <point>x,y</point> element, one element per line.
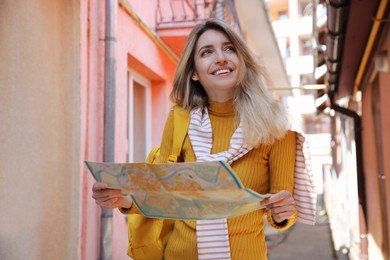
<point>109,198</point>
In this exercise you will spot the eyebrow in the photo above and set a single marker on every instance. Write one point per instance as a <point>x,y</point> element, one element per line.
<point>210,46</point>
<point>204,47</point>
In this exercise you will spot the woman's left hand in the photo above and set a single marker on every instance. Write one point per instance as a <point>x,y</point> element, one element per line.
<point>281,205</point>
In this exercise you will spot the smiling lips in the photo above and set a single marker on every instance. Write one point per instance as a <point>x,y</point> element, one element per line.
<point>222,71</point>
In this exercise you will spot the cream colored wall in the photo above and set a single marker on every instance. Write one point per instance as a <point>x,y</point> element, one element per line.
<point>39,129</point>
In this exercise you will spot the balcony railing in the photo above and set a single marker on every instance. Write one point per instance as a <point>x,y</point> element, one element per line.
<point>187,13</point>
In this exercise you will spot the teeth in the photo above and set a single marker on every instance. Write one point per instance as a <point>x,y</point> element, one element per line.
<point>221,71</point>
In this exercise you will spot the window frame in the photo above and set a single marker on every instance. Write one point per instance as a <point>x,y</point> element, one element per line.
<point>132,77</point>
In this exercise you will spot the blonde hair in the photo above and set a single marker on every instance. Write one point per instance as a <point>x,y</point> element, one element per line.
<point>263,119</point>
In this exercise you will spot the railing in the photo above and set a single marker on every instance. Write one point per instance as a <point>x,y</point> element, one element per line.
<point>185,13</point>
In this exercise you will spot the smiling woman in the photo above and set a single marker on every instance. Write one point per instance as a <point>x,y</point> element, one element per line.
<point>234,118</point>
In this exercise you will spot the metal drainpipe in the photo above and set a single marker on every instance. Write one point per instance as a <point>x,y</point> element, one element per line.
<point>109,119</point>
<point>314,39</point>
<point>359,152</point>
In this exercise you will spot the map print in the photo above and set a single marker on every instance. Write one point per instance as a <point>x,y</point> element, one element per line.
<point>191,191</point>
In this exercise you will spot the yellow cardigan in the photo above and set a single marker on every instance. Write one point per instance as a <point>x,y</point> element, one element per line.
<point>267,169</point>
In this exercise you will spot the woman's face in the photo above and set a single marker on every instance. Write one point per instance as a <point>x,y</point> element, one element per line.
<point>216,65</point>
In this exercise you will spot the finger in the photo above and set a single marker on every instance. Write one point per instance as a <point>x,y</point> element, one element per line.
<point>108,203</point>
<point>279,217</point>
<point>285,202</point>
<point>99,186</point>
<point>111,202</point>
<point>278,198</point>
<point>278,210</point>
<point>107,194</point>
<point>281,195</point>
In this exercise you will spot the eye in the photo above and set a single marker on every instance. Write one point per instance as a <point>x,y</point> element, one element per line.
<point>205,52</point>
<point>230,48</point>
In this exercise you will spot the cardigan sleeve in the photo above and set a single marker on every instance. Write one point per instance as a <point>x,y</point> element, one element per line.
<point>281,167</point>
<point>132,210</point>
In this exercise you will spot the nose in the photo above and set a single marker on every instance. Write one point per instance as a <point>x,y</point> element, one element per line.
<point>220,57</point>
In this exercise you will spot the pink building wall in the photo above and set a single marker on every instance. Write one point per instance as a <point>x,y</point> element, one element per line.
<point>135,49</point>
<point>91,95</point>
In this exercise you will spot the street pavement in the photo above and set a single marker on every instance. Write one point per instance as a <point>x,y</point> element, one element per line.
<point>302,242</point>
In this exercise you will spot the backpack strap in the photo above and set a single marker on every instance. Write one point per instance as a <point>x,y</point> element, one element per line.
<point>181,120</point>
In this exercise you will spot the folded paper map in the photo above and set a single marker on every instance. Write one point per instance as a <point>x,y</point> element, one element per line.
<point>192,191</point>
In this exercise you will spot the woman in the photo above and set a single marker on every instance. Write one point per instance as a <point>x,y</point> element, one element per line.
<point>233,117</point>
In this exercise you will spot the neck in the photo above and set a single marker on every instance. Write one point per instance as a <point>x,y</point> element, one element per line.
<point>221,97</point>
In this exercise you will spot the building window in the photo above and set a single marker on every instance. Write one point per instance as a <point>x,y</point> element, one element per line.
<point>139,107</point>
<point>282,15</point>
<point>306,79</point>
<point>305,46</point>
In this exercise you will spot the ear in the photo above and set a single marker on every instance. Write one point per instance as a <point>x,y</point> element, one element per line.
<point>195,77</point>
